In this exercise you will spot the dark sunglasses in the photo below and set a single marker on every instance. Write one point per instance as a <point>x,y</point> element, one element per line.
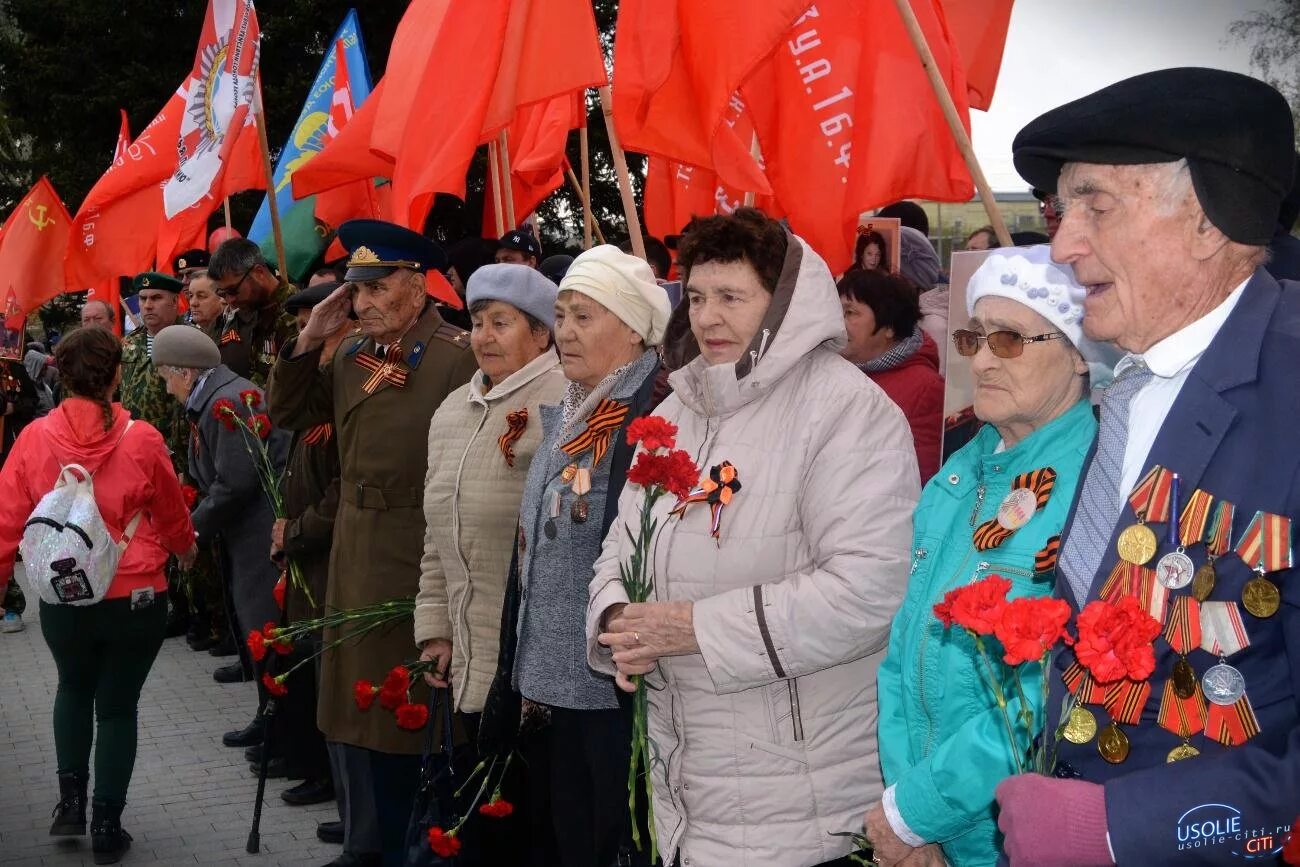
<point>232,290</point>
<point>1003,344</point>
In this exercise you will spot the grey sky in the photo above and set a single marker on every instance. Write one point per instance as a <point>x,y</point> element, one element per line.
<point>1059,50</point>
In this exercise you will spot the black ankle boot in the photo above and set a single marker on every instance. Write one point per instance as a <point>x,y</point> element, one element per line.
<point>108,841</point>
<point>70,813</point>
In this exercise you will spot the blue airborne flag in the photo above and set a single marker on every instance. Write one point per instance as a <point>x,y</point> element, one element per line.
<point>309,132</point>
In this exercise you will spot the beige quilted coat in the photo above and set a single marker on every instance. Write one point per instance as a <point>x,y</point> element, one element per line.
<point>767,736</point>
<point>471,509</point>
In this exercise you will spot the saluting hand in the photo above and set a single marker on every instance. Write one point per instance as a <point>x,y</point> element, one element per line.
<point>327,317</point>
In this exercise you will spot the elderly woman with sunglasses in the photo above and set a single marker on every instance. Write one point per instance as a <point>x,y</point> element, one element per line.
<point>992,508</point>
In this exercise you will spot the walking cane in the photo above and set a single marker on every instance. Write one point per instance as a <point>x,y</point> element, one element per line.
<point>268,716</point>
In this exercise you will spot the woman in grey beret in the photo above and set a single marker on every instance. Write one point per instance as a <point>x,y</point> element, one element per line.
<point>234,510</point>
<point>481,443</point>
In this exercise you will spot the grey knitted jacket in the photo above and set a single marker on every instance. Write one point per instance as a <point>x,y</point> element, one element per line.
<point>551,659</point>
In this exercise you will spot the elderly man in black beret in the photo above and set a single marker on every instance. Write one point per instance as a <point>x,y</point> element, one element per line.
<point>1171,184</point>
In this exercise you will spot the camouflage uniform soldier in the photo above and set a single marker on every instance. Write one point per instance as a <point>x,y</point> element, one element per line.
<point>255,327</point>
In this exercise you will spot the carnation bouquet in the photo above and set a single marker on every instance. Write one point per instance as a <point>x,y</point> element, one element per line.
<point>660,469</point>
<point>256,428</point>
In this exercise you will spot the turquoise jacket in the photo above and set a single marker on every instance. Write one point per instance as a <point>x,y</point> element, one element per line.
<point>943,745</point>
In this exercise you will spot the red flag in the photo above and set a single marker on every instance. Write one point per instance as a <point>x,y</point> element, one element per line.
<point>537,138</point>
<point>678,63</point>
<point>979,28</point>
<point>407,58</point>
<point>847,119</point>
<point>355,200</point>
<point>488,60</point>
<point>123,138</point>
<point>219,104</point>
<point>347,157</point>
<point>36,237</point>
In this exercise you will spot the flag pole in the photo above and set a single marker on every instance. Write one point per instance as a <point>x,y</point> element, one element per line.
<point>270,181</point>
<point>584,190</point>
<point>494,166</point>
<point>586,208</point>
<point>507,185</point>
<point>227,206</point>
<point>620,169</point>
<point>954,121</point>
<point>757,154</point>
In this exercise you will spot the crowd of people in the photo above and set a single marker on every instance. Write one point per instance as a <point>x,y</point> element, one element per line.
<point>478,463</point>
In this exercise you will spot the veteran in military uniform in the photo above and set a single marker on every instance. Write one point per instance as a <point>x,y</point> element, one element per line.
<point>144,395</point>
<point>380,392</point>
<point>255,326</point>
<point>1172,182</point>
<point>189,263</point>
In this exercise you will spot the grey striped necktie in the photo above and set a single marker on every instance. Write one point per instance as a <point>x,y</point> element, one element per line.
<point>1100,503</point>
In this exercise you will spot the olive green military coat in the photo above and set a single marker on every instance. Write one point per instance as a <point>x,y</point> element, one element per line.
<point>379,529</point>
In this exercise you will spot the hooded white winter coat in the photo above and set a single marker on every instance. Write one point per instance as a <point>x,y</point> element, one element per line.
<point>767,737</point>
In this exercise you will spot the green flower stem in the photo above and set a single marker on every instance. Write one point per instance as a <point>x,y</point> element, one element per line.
<point>1000,697</point>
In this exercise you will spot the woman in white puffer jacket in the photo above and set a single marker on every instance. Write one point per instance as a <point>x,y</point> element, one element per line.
<point>762,650</point>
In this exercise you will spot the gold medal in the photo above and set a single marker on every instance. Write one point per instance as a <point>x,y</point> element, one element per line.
<point>1184,678</point>
<point>1113,744</point>
<point>1203,582</point>
<point>1261,597</point>
<point>1080,726</point>
<point>567,474</point>
<point>1182,751</point>
<point>1137,544</point>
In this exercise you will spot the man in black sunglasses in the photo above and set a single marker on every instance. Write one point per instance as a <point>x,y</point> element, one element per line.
<point>255,325</point>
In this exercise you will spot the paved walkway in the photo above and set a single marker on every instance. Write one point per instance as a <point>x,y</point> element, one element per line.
<point>191,799</point>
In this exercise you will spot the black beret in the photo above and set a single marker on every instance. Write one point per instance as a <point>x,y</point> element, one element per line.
<point>190,260</point>
<point>310,297</point>
<point>1236,133</point>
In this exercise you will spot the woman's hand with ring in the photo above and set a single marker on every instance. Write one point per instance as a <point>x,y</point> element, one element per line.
<point>640,633</point>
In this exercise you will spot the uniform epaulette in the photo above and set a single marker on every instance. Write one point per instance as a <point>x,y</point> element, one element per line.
<point>356,347</point>
<point>450,333</point>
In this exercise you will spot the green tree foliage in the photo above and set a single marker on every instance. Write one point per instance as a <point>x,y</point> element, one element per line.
<point>1274,37</point>
<point>67,66</point>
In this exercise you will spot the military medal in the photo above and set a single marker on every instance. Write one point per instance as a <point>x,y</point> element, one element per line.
<point>1223,684</point>
<point>1265,547</point>
<point>1183,633</point>
<point>580,510</point>
<point>1029,493</point>
<point>551,514</point>
<point>1182,751</point>
<point>1113,744</point>
<point>1217,541</point>
<point>567,474</point>
<point>1080,726</point>
<point>1150,502</point>
<point>1175,569</point>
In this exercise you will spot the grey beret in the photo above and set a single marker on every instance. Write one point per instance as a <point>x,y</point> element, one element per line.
<point>518,285</point>
<point>185,346</point>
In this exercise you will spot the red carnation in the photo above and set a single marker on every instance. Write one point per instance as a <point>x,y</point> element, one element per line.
<point>390,698</point>
<point>682,474</point>
<point>224,411</point>
<point>443,843</point>
<point>397,678</point>
<point>274,685</point>
<point>278,591</point>
<point>978,606</point>
<point>1029,628</point>
<point>257,645</point>
<point>1291,851</point>
<point>260,424</point>
<point>1115,640</point>
<point>190,495</point>
<point>653,432</point>
<point>364,692</point>
<point>497,808</point>
<point>251,398</point>
<point>412,717</point>
<point>943,610</point>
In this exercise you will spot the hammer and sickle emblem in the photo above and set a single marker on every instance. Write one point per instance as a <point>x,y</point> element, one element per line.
<point>39,220</point>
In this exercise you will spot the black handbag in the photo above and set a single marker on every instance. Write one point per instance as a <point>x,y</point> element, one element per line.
<point>436,789</point>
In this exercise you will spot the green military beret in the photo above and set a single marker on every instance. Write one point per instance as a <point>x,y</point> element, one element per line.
<point>154,280</point>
